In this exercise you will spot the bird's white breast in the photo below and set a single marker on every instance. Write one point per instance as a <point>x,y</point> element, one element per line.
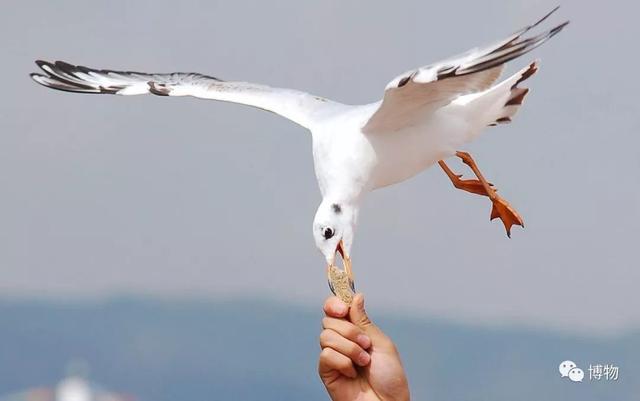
<point>344,158</point>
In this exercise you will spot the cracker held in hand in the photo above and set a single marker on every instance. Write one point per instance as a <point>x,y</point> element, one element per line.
<point>341,285</point>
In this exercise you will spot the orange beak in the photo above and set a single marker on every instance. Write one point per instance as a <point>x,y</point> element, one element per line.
<point>346,260</point>
<point>345,276</point>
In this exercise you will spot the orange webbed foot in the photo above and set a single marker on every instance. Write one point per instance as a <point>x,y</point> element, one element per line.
<point>509,216</point>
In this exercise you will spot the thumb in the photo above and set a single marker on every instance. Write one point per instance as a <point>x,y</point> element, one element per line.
<point>359,317</point>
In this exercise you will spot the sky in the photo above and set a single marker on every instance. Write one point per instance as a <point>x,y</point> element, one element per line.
<point>105,196</point>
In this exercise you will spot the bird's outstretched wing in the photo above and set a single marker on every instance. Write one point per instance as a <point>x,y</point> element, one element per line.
<point>414,94</point>
<point>299,107</point>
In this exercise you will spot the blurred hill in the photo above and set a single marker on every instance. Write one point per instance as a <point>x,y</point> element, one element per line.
<point>260,350</point>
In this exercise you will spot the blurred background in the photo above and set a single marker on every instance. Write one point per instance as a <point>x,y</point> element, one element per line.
<point>160,249</point>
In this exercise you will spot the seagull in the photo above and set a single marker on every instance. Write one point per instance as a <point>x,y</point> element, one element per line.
<point>426,115</point>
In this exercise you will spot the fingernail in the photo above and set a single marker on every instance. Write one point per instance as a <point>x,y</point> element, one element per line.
<point>363,340</point>
<point>363,359</point>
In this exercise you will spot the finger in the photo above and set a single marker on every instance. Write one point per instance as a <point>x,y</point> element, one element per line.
<point>332,360</point>
<point>331,339</point>
<point>348,330</point>
<point>334,307</point>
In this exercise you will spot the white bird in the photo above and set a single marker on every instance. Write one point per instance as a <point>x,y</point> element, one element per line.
<point>425,116</point>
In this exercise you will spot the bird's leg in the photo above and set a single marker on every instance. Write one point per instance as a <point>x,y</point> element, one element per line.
<point>473,186</point>
<point>501,208</point>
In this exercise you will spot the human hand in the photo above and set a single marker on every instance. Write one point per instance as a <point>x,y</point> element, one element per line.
<point>358,361</point>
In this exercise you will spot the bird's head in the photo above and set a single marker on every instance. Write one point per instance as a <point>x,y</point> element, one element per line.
<point>333,229</point>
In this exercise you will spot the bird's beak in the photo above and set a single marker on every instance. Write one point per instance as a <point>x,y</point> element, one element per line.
<point>346,260</point>
<point>346,277</point>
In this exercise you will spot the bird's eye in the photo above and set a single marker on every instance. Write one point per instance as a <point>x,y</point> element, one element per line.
<point>328,233</point>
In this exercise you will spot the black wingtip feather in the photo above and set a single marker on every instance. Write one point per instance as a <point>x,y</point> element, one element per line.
<point>546,16</point>
<point>533,68</point>
<point>535,24</point>
<point>517,99</point>
<point>519,48</point>
<point>558,28</point>
<point>65,67</point>
<point>42,64</point>
<point>55,78</point>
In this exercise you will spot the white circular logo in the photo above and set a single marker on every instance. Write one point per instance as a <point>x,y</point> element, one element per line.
<point>576,375</point>
<point>565,367</point>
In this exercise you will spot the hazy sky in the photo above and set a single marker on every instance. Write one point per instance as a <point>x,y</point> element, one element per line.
<point>104,195</point>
